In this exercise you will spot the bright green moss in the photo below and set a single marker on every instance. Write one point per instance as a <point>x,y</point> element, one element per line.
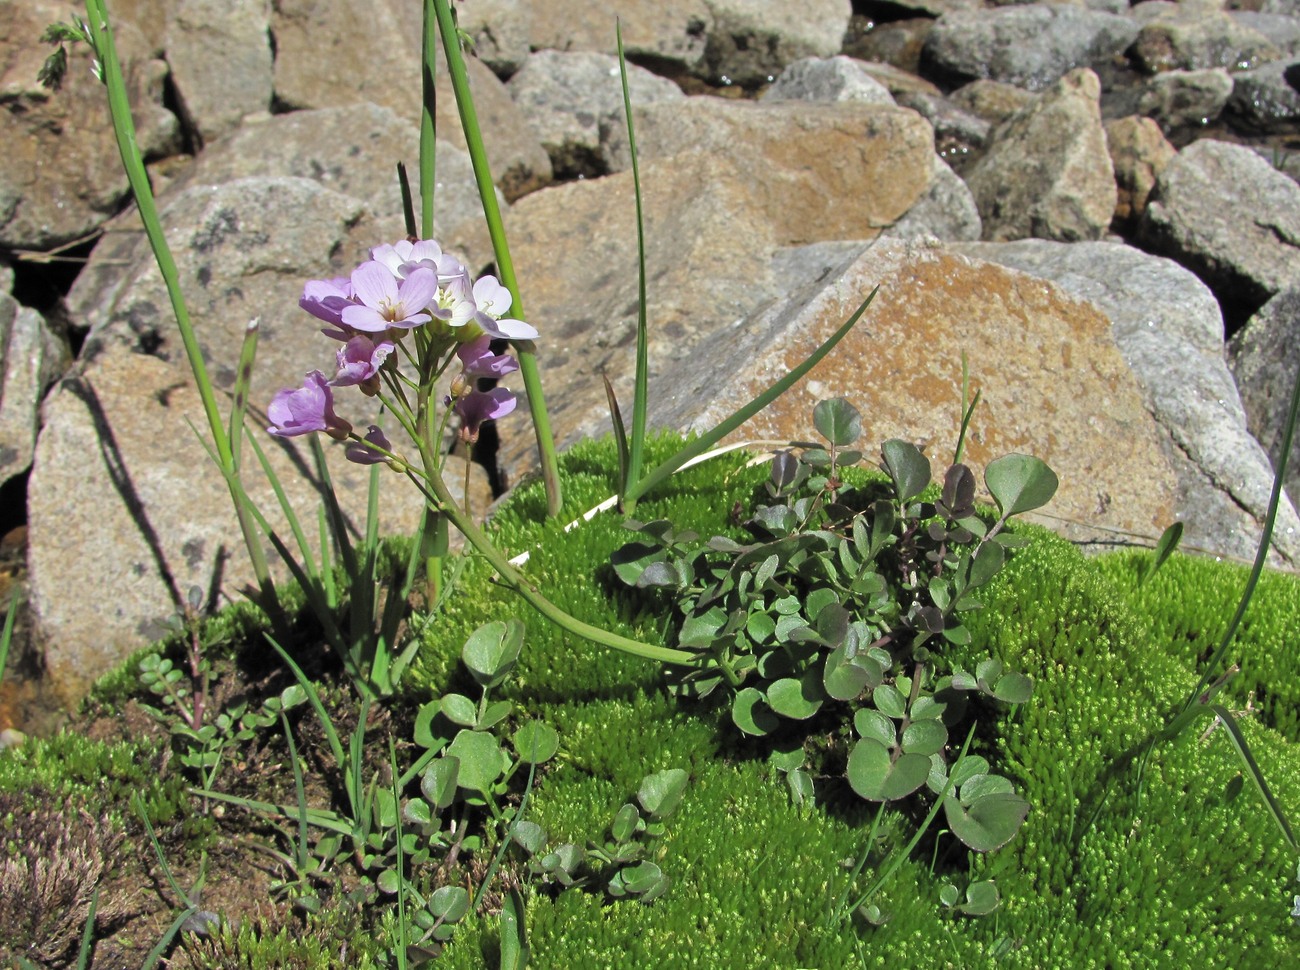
<point>1186,607</point>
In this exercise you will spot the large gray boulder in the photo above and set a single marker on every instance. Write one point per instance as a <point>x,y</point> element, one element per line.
<point>1231,218</point>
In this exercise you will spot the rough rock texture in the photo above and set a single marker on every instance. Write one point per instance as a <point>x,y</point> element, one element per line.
<point>836,78</point>
<point>1265,357</point>
<point>1139,152</point>
<point>1231,218</point>
<point>1268,98</point>
<point>123,497</point>
<point>318,64</point>
<point>1167,326</point>
<point>1030,46</point>
<point>568,96</point>
<point>31,359</point>
<point>833,171</point>
<point>994,101</point>
<point>956,132</point>
<point>55,188</point>
<point>751,41</point>
<point>1177,98</point>
<point>1053,383</point>
<point>947,210</point>
<point>305,143</point>
<point>1193,36</point>
<point>220,53</point>
<point>1047,172</point>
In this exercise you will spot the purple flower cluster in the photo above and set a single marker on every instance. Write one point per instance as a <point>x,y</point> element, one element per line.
<point>403,287</point>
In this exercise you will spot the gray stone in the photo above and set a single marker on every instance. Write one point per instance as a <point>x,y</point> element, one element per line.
<point>1168,326</point>
<point>31,359</point>
<point>1178,98</point>
<point>60,173</point>
<point>1286,8</point>
<point>1268,98</point>
<point>946,211</point>
<point>1231,218</point>
<point>567,97</point>
<point>1030,46</point>
<point>672,32</point>
<point>1265,357</point>
<point>957,133</point>
<point>1282,31</point>
<point>836,78</point>
<point>1196,36</point>
<point>1047,172</point>
<point>897,80</point>
<point>898,43</point>
<point>500,31</point>
<point>751,41</point>
<point>220,53</point>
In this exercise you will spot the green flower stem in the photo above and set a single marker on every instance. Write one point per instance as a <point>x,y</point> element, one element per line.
<point>524,349</point>
<point>518,582</point>
<point>433,533</point>
<point>124,131</point>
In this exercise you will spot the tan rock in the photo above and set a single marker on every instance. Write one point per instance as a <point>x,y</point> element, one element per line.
<point>822,171</point>
<point>1053,383</point>
<point>1047,173</point>
<point>1139,152</point>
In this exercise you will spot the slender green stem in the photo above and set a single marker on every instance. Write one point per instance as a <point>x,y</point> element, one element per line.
<point>133,163</point>
<point>428,131</point>
<point>524,349</point>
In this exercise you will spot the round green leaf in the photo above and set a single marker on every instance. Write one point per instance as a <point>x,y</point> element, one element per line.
<point>838,421</point>
<point>875,778</point>
<point>989,822</point>
<point>751,714</point>
<point>491,650</point>
<point>536,742</point>
<point>1014,688</point>
<point>981,899</point>
<point>843,679</point>
<point>925,737</point>
<point>796,699</point>
<point>870,723</point>
<point>977,786</point>
<point>625,823</point>
<point>889,701</point>
<point>662,792</point>
<point>1020,483</point>
<point>388,881</point>
<point>423,733</point>
<point>493,714</point>
<point>416,811</point>
<point>480,759</point>
<point>459,709</point>
<point>801,786</point>
<point>529,836</point>
<point>451,903</point>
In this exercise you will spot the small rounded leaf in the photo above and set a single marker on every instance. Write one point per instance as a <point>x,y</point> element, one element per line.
<point>662,792</point>
<point>459,709</point>
<point>751,714</point>
<point>536,742</point>
<point>795,699</point>
<point>439,780</point>
<point>625,823</point>
<point>491,650</point>
<point>838,421</point>
<point>909,469</point>
<point>450,903</point>
<point>875,778</point>
<point>480,759</point>
<point>1020,483</point>
<point>925,737</point>
<point>989,822</point>
<point>1014,688</point>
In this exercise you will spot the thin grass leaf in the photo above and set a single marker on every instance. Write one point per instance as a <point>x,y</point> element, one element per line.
<point>313,698</point>
<point>707,440</point>
<point>300,792</point>
<point>408,204</point>
<point>401,859</point>
<point>620,436</point>
<point>967,410</point>
<point>1169,540</point>
<point>428,106</point>
<point>1256,775</point>
<point>513,932</point>
<point>640,399</point>
<point>318,817</point>
<point>243,378</point>
<point>6,635</point>
<point>88,934</point>
<point>165,941</point>
<point>138,804</point>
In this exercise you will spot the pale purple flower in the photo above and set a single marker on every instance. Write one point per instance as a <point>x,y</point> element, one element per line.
<point>362,455</point>
<point>483,305</point>
<point>476,407</point>
<point>404,257</point>
<point>325,300</point>
<point>302,410</point>
<point>385,302</point>
<point>477,359</point>
<point>360,359</point>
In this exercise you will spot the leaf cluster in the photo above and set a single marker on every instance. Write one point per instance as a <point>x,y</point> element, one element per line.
<point>848,599</point>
